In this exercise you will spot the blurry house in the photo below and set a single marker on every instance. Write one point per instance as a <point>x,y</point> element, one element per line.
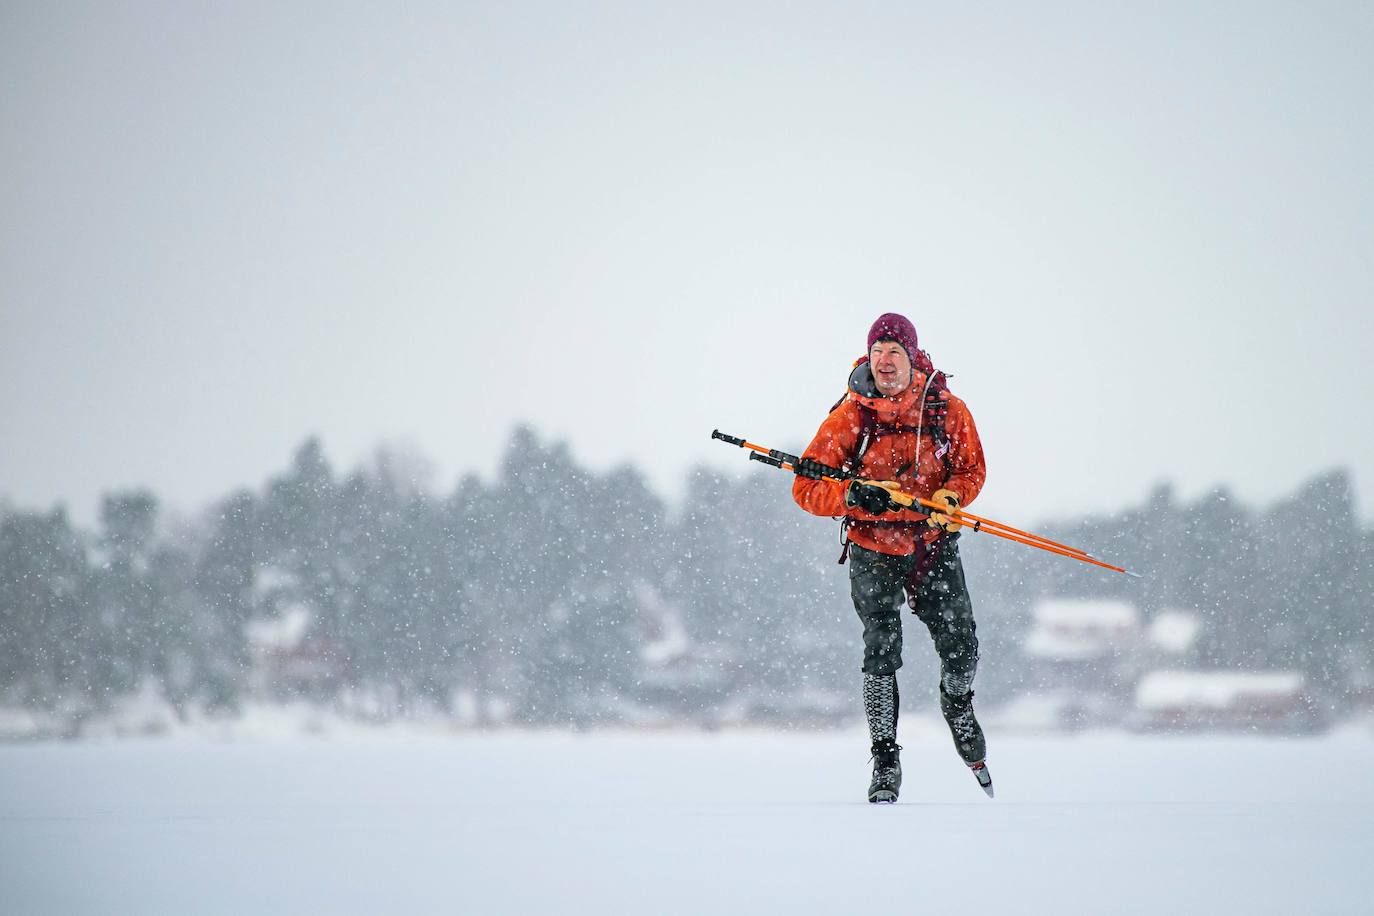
<point>1249,700</point>
<point>1088,644</point>
<point>1082,655</point>
<point>683,680</point>
<point>1100,662</point>
<point>285,660</point>
<point>1085,657</point>
<point>676,677</point>
<point>1072,631</point>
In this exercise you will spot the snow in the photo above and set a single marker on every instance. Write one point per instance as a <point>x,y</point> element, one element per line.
<point>685,823</point>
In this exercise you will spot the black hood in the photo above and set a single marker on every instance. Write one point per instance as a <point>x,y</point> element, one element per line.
<point>861,381</point>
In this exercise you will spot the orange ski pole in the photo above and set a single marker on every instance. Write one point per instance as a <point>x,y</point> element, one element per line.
<point>1030,540</point>
<point>788,462</point>
<point>979,523</point>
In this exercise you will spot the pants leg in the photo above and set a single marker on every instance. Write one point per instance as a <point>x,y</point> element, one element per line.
<point>942,603</point>
<point>876,583</point>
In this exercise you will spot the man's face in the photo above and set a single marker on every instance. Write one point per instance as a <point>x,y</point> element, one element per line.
<point>891,367</point>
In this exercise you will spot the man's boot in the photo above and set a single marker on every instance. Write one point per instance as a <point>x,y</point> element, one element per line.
<point>968,736</point>
<point>963,726</point>
<point>881,702</point>
<point>887,773</point>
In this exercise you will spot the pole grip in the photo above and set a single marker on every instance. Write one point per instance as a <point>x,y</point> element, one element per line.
<point>717,434</point>
<point>837,473</point>
<point>766,459</point>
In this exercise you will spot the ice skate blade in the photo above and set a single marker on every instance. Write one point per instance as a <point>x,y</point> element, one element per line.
<point>980,773</point>
<point>882,797</point>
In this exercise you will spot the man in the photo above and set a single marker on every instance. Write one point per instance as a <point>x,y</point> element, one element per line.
<point>899,429</point>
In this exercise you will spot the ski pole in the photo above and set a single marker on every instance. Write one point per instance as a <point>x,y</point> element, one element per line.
<point>788,462</point>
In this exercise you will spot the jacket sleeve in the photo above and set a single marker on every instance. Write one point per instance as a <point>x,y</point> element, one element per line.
<point>968,469</point>
<point>834,443</point>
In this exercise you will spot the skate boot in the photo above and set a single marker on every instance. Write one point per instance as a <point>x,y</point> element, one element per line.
<point>963,726</point>
<point>881,703</point>
<point>967,735</point>
<point>887,773</point>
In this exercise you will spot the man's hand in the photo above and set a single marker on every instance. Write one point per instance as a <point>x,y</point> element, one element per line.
<point>810,469</point>
<point>939,519</point>
<point>871,497</point>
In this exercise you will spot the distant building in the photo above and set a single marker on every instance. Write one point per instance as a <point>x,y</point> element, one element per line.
<point>1086,658</point>
<point>1101,662</point>
<point>1251,700</point>
<point>286,659</point>
<point>1081,630</point>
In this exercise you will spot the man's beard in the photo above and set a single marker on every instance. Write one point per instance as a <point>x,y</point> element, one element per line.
<point>896,387</point>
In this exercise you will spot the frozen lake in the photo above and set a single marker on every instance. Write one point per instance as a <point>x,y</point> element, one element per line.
<point>758,823</point>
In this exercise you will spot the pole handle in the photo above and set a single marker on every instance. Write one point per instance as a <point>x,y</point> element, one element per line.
<point>766,459</point>
<point>783,456</point>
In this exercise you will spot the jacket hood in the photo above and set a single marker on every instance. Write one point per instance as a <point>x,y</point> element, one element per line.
<point>861,381</point>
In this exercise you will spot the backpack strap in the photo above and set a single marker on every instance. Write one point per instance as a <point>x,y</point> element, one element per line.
<point>933,419</point>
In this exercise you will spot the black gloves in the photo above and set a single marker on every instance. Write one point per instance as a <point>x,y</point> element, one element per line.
<point>869,497</point>
<point>874,497</point>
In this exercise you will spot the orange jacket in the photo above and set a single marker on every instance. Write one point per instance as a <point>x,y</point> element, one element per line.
<point>891,457</point>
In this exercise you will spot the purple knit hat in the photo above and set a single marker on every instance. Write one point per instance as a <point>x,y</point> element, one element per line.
<point>895,327</point>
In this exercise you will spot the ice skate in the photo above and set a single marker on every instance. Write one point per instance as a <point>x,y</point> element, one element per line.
<point>964,727</point>
<point>887,773</point>
<point>881,702</point>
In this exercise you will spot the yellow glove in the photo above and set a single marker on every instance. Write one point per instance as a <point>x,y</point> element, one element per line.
<point>939,519</point>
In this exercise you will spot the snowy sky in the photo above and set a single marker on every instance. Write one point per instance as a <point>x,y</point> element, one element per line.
<point>1140,240</point>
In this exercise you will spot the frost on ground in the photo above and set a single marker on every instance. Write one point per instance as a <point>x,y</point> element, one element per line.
<point>757,823</point>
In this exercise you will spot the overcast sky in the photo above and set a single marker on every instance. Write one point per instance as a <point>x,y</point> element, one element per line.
<point>1141,240</point>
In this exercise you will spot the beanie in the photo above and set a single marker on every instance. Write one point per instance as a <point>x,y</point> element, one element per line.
<point>895,327</point>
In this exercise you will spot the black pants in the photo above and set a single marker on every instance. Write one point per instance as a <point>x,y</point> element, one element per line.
<point>878,582</point>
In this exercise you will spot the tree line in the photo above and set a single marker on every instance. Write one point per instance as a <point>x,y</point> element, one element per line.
<point>554,595</point>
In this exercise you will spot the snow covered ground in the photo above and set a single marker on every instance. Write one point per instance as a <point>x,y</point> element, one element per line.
<point>677,823</point>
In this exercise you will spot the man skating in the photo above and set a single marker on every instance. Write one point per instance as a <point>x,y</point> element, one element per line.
<point>899,428</point>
